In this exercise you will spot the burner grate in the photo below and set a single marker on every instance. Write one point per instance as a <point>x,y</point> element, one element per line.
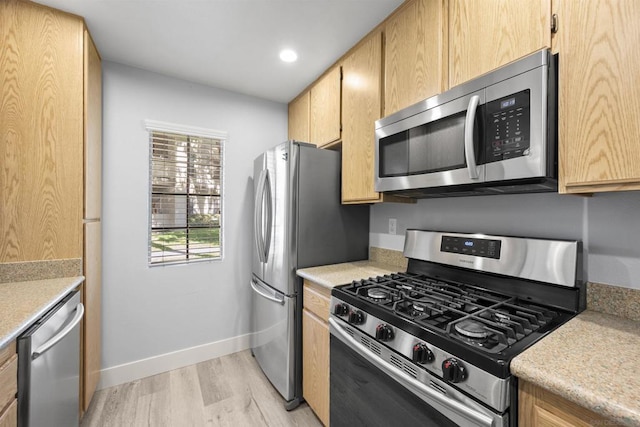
<point>438,305</point>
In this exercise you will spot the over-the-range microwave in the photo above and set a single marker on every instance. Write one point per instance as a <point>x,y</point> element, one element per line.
<point>495,134</point>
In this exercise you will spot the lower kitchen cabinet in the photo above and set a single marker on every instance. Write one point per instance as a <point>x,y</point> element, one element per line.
<point>8,386</point>
<point>539,407</point>
<point>315,349</point>
<point>9,417</point>
<point>92,300</point>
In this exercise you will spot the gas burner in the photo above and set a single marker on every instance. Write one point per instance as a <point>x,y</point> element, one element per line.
<point>412,309</point>
<point>472,329</point>
<point>377,293</point>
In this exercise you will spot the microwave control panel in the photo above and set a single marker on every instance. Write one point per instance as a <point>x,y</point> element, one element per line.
<point>508,124</point>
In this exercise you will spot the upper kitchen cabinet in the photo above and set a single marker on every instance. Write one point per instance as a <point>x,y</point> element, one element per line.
<point>41,131</point>
<point>485,34</point>
<point>324,108</point>
<point>92,130</point>
<point>415,53</point>
<point>299,117</point>
<point>361,107</point>
<point>599,95</point>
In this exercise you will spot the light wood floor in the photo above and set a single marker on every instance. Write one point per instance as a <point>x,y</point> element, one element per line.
<point>228,391</point>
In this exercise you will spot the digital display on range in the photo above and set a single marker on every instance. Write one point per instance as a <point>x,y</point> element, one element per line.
<point>486,248</point>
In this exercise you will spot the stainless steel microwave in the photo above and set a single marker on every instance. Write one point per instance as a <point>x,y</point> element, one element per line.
<point>495,134</point>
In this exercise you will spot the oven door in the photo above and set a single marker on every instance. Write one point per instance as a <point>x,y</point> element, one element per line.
<point>439,146</point>
<point>365,389</point>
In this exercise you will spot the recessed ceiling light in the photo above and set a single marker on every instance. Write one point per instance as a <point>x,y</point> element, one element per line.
<point>288,55</point>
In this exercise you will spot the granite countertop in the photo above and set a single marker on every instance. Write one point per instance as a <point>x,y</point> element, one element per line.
<point>340,274</point>
<point>22,303</point>
<point>593,360</point>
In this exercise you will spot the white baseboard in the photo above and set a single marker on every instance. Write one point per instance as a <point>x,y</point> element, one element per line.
<point>166,362</point>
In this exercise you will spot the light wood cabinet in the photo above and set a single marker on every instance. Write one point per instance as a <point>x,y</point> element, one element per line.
<point>92,325</point>
<point>599,95</point>
<point>361,107</point>
<point>538,407</point>
<point>41,132</point>
<point>92,249</point>
<point>8,385</point>
<point>315,349</point>
<point>92,130</point>
<point>299,117</point>
<point>415,60</point>
<point>9,417</point>
<point>324,107</point>
<point>485,34</point>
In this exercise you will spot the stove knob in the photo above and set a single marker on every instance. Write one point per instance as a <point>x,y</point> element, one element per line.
<point>341,309</point>
<point>384,333</point>
<point>422,354</point>
<point>453,371</point>
<point>356,317</point>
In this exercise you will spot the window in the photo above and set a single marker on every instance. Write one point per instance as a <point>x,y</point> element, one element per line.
<point>185,173</point>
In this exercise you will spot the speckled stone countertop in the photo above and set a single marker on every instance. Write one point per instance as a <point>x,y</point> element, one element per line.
<point>22,303</point>
<point>340,274</point>
<point>593,360</point>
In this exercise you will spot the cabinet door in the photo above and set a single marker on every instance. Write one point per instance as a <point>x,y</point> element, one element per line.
<point>92,130</point>
<point>415,54</point>
<point>315,364</point>
<point>538,407</point>
<point>599,98</point>
<point>92,297</point>
<point>361,107</point>
<point>325,109</point>
<point>485,34</point>
<point>8,378</point>
<point>40,132</point>
<point>299,118</point>
<point>9,418</point>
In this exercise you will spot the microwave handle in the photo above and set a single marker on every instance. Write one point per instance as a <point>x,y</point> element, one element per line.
<point>469,151</point>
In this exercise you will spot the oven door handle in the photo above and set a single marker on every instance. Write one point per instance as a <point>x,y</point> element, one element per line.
<point>469,150</point>
<point>410,383</point>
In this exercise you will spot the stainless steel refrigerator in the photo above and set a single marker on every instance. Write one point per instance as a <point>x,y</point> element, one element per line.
<point>299,222</point>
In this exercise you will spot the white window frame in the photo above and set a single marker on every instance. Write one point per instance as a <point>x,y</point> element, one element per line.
<point>158,126</point>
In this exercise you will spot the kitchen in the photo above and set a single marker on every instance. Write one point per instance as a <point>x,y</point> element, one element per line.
<point>155,319</point>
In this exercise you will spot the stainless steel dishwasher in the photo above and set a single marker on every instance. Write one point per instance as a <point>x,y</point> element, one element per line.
<point>49,367</point>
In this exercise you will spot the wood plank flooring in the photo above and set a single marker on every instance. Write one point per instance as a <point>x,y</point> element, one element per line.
<point>228,391</point>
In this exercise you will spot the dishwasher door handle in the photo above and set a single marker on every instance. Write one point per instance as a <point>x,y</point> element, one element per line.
<point>60,335</point>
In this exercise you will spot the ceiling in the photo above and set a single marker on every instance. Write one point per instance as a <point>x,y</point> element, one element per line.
<point>230,44</point>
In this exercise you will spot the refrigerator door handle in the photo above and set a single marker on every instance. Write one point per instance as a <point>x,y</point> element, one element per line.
<point>271,296</point>
<point>258,216</point>
<point>269,222</point>
<point>60,335</point>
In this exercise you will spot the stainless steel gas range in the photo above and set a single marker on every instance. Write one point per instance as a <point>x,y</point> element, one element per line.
<point>433,345</point>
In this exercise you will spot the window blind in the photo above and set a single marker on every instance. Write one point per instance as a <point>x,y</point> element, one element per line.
<point>186,198</point>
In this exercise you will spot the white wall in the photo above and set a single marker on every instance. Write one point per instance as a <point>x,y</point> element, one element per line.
<point>153,311</point>
<point>607,224</point>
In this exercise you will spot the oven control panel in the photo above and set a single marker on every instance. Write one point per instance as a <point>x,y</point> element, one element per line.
<point>486,248</point>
